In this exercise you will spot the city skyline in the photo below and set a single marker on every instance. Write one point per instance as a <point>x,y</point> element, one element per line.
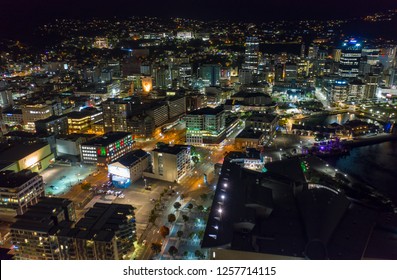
<point>21,18</point>
<point>208,132</point>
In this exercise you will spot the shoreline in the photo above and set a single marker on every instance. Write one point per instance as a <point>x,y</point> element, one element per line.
<point>371,140</point>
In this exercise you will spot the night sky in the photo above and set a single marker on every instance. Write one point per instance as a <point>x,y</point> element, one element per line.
<point>19,16</point>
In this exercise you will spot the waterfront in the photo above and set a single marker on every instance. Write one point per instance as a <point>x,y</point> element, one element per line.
<point>375,165</point>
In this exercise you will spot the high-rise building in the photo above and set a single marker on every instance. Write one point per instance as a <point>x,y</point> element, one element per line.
<point>350,58</point>
<point>18,190</point>
<point>83,121</point>
<point>339,91</point>
<point>245,76</point>
<point>54,125</point>
<point>205,126</point>
<point>371,86</point>
<point>210,73</point>
<point>34,234</point>
<point>106,232</point>
<point>35,112</point>
<point>48,231</point>
<point>251,57</point>
<point>356,90</point>
<point>170,163</point>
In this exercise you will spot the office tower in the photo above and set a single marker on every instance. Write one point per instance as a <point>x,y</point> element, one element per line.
<point>312,52</point>
<point>350,58</point>
<point>205,126</point>
<point>291,72</point>
<point>210,73</point>
<point>356,90</point>
<point>116,113</point>
<point>371,86</point>
<point>339,91</point>
<point>245,76</point>
<point>170,163</point>
<point>251,57</point>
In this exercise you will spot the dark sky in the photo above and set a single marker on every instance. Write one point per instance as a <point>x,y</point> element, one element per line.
<point>17,16</point>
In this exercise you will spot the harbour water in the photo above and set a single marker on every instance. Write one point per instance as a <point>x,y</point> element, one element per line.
<point>375,165</point>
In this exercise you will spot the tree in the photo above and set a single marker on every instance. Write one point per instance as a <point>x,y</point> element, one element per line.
<point>164,231</point>
<point>179,233</point>
<point>190,206</point>
<point>185,218</point>
<point>152,218</point>
<point>200,207</point>
<point>156,247</point>
<point>177,205</point>
<point>173,250</point>
<point>199,254</point>
<point>85,186</point>
<point>171,218</point>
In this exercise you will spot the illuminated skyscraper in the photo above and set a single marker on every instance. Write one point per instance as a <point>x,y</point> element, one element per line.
<point>251,54</point>
<point>350,58</point>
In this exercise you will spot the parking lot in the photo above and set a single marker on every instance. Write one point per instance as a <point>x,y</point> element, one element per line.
<point>59,179</point>
<point>141,198</point>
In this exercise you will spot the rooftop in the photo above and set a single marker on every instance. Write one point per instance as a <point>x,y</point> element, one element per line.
<point>167,149</point>
<point>249,133</point>
<point>18,152</point>
<point>207,111</point>
<point>11,179</point>
<point>131,157</point>
<point>107,139</point>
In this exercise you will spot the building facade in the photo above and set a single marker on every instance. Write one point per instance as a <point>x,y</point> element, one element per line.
<point>205,126</point>
<point>18,190</point>
<point>107,148</point>
<point>170,163</point>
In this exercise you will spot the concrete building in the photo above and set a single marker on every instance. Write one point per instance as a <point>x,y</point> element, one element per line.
<point>351,52</point>
<point>265,123</point>
<point>176,106</point>
<point>107,148</point>
<point>249,138</point>
<point>339,91</point>
<point>371,86</point>
<point>170,163</point>
<point>210,74</point>
<point>35,157</point>
<point>205,126</point>
<point>129,168</point>
<point>106,232</point>
<point>35,112</point>
<point>356,90</point>
<point>34,234</point>
<point>70,144</point>
<point>54,125</point>
<point>82,121</point>
<point>12,117</point>
<point>159,113</point>
<point>18,190</point>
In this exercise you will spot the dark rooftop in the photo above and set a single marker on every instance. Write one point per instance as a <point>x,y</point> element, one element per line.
<point>167,149</point>
<point>17,152</point>
<point>11,179</point>
<point>131,157</point>
<point>249,133</point>
<point>277,213</point>
<point>207,111</point>
<point>107,139</point>
<point>50,119</point>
